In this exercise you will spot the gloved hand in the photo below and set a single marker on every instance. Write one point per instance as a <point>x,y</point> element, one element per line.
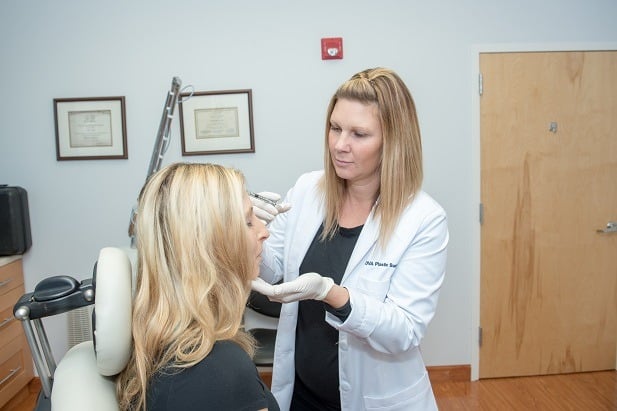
<point>266,212</point>
<point>309,286</point>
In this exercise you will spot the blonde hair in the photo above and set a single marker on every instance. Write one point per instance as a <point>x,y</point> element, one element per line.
<point>193,272</point>
<point>401,157</point>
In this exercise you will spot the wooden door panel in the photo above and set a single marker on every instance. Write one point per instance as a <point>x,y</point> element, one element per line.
<point>548,298</point>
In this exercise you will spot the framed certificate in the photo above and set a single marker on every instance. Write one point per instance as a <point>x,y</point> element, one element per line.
<point>91,128</point>
<point>217,122</point>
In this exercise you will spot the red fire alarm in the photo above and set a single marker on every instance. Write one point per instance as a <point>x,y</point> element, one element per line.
<point>332,48</point>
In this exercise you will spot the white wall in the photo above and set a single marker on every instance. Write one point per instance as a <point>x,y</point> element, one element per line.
<point>76,48</point>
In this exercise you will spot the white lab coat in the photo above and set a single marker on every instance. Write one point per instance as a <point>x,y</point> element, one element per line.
<point>393,295</point>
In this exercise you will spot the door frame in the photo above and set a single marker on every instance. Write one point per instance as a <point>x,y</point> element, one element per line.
<point>476,50</point>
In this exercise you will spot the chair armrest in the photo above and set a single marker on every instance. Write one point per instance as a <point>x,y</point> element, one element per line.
<point>54,295</point>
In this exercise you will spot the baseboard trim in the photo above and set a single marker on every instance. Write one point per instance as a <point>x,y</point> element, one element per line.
<point>449,373</point>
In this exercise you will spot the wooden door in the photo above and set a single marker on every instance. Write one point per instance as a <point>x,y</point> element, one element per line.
<point>548,297</point>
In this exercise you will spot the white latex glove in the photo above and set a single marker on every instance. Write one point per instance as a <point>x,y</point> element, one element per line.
<point>266,212</point>
<point>309,286</point>
<point>262,287</point>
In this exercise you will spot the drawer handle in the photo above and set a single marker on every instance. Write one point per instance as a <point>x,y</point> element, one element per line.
<point>5,282</point>
<point>11,374</point>
<point>6,321</point>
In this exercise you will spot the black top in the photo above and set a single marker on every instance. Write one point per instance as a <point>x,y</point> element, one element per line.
<point>316,354</point>
<point>226,379</point>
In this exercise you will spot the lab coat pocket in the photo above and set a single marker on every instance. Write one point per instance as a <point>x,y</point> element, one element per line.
<point>417,397</point>
<point>377,288</point>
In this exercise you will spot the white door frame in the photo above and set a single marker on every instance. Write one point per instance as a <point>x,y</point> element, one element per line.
<point>475,141</point>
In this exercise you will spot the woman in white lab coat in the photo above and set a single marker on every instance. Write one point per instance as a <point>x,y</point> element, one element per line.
<point>362,253</point>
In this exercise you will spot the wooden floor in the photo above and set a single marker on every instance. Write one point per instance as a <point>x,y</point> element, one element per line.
<point>595,391</point>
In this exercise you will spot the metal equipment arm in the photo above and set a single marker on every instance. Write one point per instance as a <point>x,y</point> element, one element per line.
<point>162,141</point>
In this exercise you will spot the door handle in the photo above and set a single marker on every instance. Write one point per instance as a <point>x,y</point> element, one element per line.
<point>611,227</point>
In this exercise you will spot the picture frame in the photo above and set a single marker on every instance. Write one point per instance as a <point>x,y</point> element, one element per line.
<point>217,122</point>
<point>90,128</point>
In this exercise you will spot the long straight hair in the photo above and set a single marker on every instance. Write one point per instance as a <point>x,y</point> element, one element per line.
<point>193,273</point>
<point>401,157</point>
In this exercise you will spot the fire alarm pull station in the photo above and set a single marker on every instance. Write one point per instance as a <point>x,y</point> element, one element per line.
<point>332,48</point>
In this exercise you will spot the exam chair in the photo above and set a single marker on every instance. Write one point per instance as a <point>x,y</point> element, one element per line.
<point>84,379</point>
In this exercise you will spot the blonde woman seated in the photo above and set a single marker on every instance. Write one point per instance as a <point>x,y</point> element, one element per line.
<point>199,246</point>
